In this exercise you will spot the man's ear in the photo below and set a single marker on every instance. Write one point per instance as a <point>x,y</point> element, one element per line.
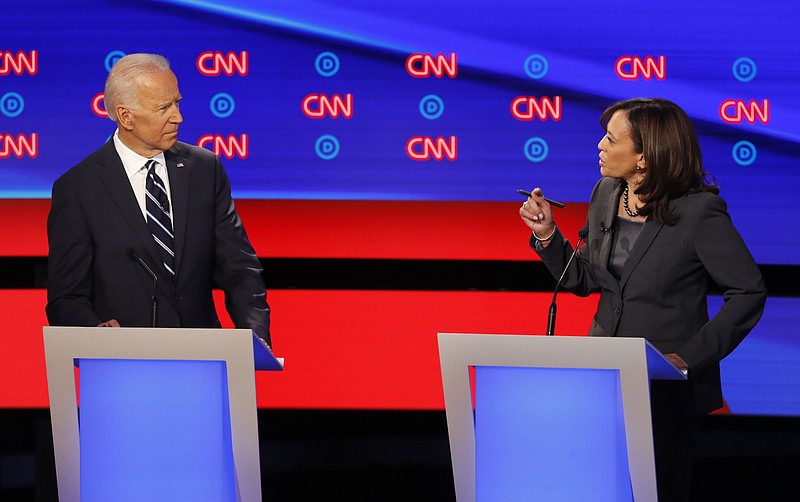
<point>124,118</point>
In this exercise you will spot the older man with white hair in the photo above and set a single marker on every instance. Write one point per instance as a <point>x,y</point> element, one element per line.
<point>142,229</point>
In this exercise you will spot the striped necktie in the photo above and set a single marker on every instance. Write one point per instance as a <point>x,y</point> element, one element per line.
<point>157,205</point>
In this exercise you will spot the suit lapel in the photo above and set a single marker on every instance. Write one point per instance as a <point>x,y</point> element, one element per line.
<point>649,232</point>
<point>113,176</point>
<point>609,216</point>
<point>178,170</point>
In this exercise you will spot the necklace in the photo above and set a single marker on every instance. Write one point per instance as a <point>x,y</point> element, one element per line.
<point>632,214</point>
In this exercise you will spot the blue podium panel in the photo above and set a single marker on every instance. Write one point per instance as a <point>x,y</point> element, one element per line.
<point>554,434</point>
<point>155,430</point>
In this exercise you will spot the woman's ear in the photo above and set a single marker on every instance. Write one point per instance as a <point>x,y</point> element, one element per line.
<point>641,163</point>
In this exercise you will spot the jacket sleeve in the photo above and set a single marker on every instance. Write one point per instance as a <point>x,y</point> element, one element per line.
<point>579,278</point>
<point>237,269</point>
<point>729,263</point>
<point>69,261</point>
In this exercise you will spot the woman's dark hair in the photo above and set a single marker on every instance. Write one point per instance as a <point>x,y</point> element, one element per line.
<point>664,133</point>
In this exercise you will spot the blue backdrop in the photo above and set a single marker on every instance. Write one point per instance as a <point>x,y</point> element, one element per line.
<point>721,61</point>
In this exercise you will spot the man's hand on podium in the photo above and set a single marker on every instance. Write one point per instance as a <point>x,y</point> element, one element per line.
<point>678,362</point>
<point>111,323</point>
<point>264,343</point>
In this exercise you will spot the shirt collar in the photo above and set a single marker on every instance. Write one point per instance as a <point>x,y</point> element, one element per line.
<point>132,161</point>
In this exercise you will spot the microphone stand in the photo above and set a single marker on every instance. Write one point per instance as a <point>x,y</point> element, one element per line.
<point>154,300</point>
<point>551,315</point>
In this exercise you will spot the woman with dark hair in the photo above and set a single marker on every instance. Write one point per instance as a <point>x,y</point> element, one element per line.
<point>657,231</point>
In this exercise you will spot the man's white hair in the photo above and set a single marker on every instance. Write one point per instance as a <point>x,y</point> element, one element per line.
<point>122,83</point>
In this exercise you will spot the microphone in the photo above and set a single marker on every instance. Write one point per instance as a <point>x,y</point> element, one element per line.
<point>154,300</point>
<point>551,316</point>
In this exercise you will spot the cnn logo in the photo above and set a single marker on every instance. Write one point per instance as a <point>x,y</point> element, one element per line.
<point>527,108</point>
<point>228,147</point>
<point>20,146</point>
<point>736,111</point>
<point>317,106</point>
<point>420,65</point>
<point>634,67</point>
<point>99,105</point>
<point>426,148</point>
<point>19,63</point>
<point>215,63</point>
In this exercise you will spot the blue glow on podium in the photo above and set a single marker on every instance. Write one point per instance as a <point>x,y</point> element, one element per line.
<point>550,434</point>
<point>155,430</point>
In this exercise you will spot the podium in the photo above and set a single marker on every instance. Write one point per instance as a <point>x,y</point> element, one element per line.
<point>551,418</point>
<point>165,413</point>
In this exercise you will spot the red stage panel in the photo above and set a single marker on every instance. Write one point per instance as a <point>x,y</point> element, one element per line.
<point>343,349</point>
<point>347,229</point>
<point>27,221</point>
<point>23,379</point>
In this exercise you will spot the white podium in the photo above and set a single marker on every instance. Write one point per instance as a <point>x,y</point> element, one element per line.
<point>165,414</point>
<point>551,418</point>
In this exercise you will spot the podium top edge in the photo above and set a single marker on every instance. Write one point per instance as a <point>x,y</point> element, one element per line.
<point>76,342</point>
<point>481,349</point>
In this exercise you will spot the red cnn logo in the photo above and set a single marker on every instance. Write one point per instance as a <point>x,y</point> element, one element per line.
<point>318,106</point>
<point>527,108</point>
<point>736,111</point>
<point>19,146</point>
<point>99,105</point>
<point>19,63</point>
<point>215,63</point>
<point>633,67</point>
<point>425,147</point>
<point>420,65</point>
<point>226,147</point>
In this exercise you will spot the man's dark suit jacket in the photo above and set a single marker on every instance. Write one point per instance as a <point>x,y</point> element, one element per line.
<point>661,295</point>
<point>95,222</point>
